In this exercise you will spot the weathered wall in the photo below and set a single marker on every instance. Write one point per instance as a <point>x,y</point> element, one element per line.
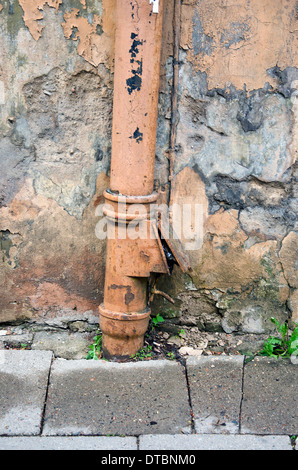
<point>235,155</point>
<point>236,148</point>
<point>55,129</point>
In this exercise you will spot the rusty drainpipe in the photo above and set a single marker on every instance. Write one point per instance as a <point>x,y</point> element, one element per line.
<point>124,314</point>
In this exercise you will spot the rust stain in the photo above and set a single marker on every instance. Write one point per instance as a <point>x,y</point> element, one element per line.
<point>145,256</point>
<point>33,13</point>
<point>1,7</point>
<point>98,200</point>
<point>129,296</point>
<point>116,286</point>
<point>236,42</point>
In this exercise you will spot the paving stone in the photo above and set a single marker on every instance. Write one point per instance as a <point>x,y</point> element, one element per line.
<point>216,391</point>
<point>214,442</point>
<point>68,443</point>
<point>98,397</point>
<point>63,343</point>
<point>23,384</point>
<point>270,397</point>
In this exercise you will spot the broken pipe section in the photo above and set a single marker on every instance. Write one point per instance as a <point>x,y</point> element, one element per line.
<point>124,314</point>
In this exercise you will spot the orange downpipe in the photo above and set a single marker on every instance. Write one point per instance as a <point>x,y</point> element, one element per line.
<point>124,314</point>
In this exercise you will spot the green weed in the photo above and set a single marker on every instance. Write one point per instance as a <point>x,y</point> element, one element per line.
<point>171,356</point>
<point>180,334</point>
<point>281,346</point>
<point>144,354</point>
<point>156,321</point>
<point>95,351</point>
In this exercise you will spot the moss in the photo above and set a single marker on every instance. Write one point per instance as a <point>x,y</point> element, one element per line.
<point>267,291</point>
<point>227,302</point>
<point>22,60</point>
<point>266,262</point>
<point>268,288</point>
<point>5,242</point>
<point>170,313</point>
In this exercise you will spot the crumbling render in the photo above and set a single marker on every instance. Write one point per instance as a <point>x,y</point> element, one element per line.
<point>90,45</point>
<point>33,13</point>
<point>94,43</point>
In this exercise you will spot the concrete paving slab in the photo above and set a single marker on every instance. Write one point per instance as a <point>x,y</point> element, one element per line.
<point>270,397</point>
<point>214,442</point>
<point>101,398</point>
<point>23,385</point>
<point>68,443</point>
<point>216,390</point>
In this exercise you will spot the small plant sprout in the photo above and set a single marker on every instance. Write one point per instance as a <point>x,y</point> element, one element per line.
<point>144,354</point>
<point>171,355</point>
<point>95,351</point>
<point>285,345</point>
<point>156,321</point>
<point>180,334</point>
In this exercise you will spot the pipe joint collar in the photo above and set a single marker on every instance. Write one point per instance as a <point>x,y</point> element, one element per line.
<point>125,199</point>
<point>124,209</point>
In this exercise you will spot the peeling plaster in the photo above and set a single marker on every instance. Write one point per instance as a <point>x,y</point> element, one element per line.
<point>33,13</point>
<point>77,27</point>
<point>95,40</point>
<point>93,45</point>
